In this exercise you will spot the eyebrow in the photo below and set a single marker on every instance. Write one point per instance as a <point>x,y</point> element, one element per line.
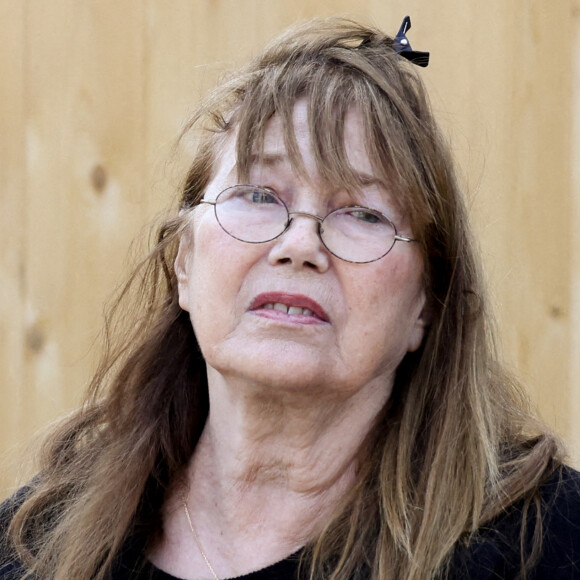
<point>267,159</point>
<point>273,159</point>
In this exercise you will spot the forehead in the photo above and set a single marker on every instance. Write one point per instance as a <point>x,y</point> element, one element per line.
<point>277,149</point>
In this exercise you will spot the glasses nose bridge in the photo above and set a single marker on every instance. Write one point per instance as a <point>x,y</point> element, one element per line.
<point>313,216</point>
<point>316,218</point>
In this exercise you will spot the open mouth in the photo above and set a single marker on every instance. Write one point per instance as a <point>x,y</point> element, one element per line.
<point>289,304</point>
<point>293,310</point>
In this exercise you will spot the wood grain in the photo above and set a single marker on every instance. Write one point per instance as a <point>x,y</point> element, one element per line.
<point>94,93</point>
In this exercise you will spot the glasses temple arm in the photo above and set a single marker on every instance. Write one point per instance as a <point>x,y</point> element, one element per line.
<point>403,238</point>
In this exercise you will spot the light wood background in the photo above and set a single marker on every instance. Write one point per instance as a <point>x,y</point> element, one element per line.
<point>93,93</point>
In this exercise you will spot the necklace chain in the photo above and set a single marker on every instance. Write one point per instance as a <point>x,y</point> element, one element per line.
<point>196,538</point>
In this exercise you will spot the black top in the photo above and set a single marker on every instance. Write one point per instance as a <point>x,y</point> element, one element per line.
<point>284,570</point>
<point>493,555</point>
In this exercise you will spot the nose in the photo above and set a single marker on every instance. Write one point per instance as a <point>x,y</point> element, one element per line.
<point>300,245</point>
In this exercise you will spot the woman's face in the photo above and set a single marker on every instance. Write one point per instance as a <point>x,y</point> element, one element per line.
<point>360,319</point>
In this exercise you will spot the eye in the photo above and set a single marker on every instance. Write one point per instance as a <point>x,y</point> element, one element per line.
<point>261,196</point>
<point>365,215</point>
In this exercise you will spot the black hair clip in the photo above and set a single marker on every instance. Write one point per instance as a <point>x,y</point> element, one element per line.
<point>403,47</point>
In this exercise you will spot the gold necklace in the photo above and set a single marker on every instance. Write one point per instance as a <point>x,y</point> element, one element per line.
<point>195,537</point>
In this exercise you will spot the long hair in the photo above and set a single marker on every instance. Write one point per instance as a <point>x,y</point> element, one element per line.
<point>456,443</point>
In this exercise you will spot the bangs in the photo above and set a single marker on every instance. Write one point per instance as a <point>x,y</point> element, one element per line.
<point>332,89</point>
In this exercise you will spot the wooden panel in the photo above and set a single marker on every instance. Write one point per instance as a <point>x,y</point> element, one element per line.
<point>12,235</point>
<point>573,402</point>
<point>515,109</point>
<point>84,153</point>
<point>98,91</point>
<point>537,164</point>
<point>84,160</point>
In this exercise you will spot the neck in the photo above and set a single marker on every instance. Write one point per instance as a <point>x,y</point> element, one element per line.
<point>279,446</point>
<point>269,470</point>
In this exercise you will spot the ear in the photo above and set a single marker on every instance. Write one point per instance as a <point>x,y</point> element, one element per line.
<point>419,327</point>
<point>181,266</point>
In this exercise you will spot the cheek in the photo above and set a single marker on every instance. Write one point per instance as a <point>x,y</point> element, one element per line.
<point>210,286</point>
<point>384,308</point>
<point>218,267</point>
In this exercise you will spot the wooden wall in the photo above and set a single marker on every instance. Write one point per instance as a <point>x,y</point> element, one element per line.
<point>93,92</point>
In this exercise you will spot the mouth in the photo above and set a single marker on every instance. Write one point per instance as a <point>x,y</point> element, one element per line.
<point>292,305</point>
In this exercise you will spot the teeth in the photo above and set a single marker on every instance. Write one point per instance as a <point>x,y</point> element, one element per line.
<point>294,310</point>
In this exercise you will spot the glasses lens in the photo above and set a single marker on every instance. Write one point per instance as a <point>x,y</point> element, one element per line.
<point>251,214</point>
<point>358,234</point>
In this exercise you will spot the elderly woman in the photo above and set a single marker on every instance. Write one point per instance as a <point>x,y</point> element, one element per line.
<point>308,386</point>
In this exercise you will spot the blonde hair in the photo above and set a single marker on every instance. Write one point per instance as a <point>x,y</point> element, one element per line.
<point>456,443</point>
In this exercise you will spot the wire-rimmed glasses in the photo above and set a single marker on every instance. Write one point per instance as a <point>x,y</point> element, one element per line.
<point>256,214</point>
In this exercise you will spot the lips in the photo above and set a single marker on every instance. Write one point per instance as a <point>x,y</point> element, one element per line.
<point>291,304</point>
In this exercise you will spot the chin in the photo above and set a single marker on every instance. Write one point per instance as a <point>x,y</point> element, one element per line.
<point>291,380</point>
<point>273,372</point>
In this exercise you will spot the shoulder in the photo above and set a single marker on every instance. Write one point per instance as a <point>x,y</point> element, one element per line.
<point>561,525</point>
<point>10,568</point>
<point>496,551</point>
